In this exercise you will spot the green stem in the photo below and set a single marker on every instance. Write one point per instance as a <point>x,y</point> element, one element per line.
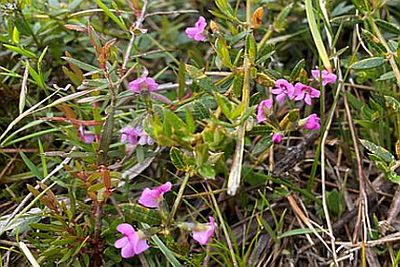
<point>178,198</point>
<point>236,169</point>
<point>315,32</point>
<point>265,38</point>
<point>222,221</point>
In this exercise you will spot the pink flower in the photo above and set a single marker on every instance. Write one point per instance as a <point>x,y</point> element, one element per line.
<point>151,198</point>
<point>134,136</point>
<point>132,243</point>
<point>203,232</point>
<point>197,32</point>
<point>143,83</point>
<point>277,138</point>
<point>261,109</point>
<point>86,137</point>
<point>327,77</point>
<point>283,89</point>
<point>312,122</point>
<point>305,92</point>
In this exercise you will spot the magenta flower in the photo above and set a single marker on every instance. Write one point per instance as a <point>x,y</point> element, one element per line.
<point>204,231</point>
<point>277,138</point>
<point>305,92</point>
<point>197,32</point>
<point>312,122</point>
<point>134,136</point>
<point>151,198</point>
<point>86,137</point>
<point>283,89</point>
<point>132,243</point>
<point>261,110</point>
<point>143,83</point>
<point>327,77</point>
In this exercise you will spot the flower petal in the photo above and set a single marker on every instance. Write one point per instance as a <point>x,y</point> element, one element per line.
<point>121,242</point>
<point>141,245</point>
<point>150,198</point>
<point>126,229</point>
<point>128,251</point>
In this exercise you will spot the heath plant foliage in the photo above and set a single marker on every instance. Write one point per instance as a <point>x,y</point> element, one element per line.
<point>199,133</point>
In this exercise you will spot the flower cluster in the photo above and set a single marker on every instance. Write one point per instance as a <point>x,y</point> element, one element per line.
<point>134,136</point>
<point>203,232</point>
<point>285,90</point>
<point>143,84</point>
<point>197,32</point>
<point>88,138</point>
<point>134,242</point>
<point>151,198</point>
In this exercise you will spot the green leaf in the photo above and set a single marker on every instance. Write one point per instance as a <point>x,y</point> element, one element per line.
<point>106,135</point>
<point>207,171</point>
<point>38,78</point>
<point>301,231</point>
<point>296,70</point>
<point>142,214</point>
<point>24,89</point>
<point>81,64</point>
<point>387,26</point>
<point>177,123</point>
<point>225,105</point>
<point>386,76</point>
<point>178,159</point>
<point>120,22</point>
<point>181,80</point>
<point>392,103</point>
<point>393,177</point>
<point>191,126</point>
<point>223,52</point>
<point>15,35</point>
<point>373,42</point>
<point>20,51</point>
<point>166,251</point>
<point>195,73</point>
<point>262,145</point>
<point>335,202</point>
<point>361,5</point>
<point>39,63</point>
<point>260,130</point>
<point>316,34</point>
<point>378,151</point>
<point>31,166</point>
<point>368,63</point>
<point>224,7</point>
<point>281,20</point>
<point>251,47</point>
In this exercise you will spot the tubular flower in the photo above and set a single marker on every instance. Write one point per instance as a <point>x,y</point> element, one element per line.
<point>151,198</point>
<point>134,136</point>
<point>197,32</point>
<point>143,83</point>
<point>261,110</point>
<point>88,138</point>
<point>305,92</point>
<point>312,122</point>
<point>277,138</point>
<point>327,77</point>
<point>202,233</point>
<point>132,243</point>
<point>283,89</point>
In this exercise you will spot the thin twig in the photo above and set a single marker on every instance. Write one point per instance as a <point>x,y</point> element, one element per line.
<point>135,26</point>
<point>173,12</point>
<point>222,221</point>
<point>27,198</point>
